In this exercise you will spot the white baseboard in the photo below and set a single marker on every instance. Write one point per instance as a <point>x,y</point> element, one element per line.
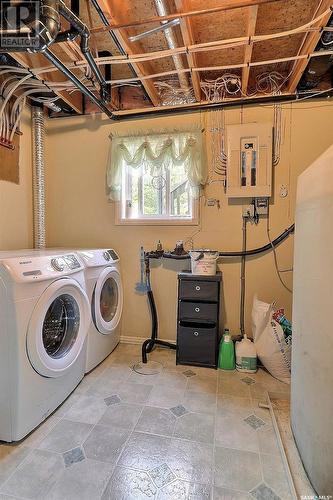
<point>127,339</point>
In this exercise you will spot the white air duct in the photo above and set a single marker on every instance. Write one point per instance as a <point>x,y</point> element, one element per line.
<point>172,43</point>
<point>38,176</point>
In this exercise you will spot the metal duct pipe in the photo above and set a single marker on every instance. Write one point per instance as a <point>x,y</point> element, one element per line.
<point>44,30</point>
<point>172,43</point>
<point>38,176</point>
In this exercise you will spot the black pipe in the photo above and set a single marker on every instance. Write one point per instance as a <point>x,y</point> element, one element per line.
<point>66,36</point>
<point>84,33</point>
<point>279,239</point>
<point>87,92</point>
<point>264,248</point>
<point>150,343</point>
<point>227,104</point>
<point>115,40</point>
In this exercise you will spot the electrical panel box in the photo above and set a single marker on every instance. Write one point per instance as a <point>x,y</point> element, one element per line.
<point>249,160</point>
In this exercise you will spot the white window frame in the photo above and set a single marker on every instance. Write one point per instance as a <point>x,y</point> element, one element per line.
<point>156,220</point>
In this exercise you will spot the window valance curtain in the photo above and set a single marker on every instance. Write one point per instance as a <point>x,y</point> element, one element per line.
<point>156,152</point>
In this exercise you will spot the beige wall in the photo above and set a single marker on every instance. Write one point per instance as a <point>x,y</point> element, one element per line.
<point>79,214</point>
<point>16,200</point>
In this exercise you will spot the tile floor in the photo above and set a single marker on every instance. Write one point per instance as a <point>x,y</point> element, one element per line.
<point>186,433</point>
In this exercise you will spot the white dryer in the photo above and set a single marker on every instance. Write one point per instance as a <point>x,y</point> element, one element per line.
<point>44,319</point>
<point>105,293</point>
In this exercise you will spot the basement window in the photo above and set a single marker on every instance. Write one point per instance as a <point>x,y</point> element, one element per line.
<point>164,197</point>
<point>156,179</point>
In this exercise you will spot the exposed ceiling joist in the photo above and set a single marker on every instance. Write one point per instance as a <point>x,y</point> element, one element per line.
<point>251,28</point>
<point>123,40</point>
<point>309,45</point>
<point>186,29</point>
<point>264,62</point>
<point>227,5</point>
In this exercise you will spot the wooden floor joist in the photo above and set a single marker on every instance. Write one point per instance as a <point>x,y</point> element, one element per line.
<point>186,29</point>
<point>123,40</point>
<point>309,45</point>
<point>226,5</point>
<point>251,28</point>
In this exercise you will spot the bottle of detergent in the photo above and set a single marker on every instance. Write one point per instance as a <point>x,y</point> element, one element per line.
<point>227,353</point>
<point>246,356</point>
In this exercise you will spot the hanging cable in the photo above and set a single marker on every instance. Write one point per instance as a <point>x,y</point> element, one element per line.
<point>278,271</point>
<point>242,283</point>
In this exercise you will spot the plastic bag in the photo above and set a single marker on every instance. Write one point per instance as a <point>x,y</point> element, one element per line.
<point>272,348</point>
<point>280,317</point>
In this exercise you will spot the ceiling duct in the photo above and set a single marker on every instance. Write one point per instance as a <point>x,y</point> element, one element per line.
<point>172,43</point>
<point>319,66</point>
<point>43,23</point>
<point>44,28</point>
<point>163,27</point>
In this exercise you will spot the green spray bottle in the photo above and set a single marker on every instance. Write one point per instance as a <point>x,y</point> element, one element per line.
<point>227,353</point>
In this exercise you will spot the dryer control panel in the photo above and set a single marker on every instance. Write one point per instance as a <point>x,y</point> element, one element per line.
<point>98,257</point>
<point>112,255</point>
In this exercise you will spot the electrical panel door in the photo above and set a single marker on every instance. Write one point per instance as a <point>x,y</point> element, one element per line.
<point>249,160</point>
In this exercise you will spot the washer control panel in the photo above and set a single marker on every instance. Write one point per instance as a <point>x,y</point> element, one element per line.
<point>72,261</point>
<point>58,264</point>
<point>106,256</point>
<point>41,267</point>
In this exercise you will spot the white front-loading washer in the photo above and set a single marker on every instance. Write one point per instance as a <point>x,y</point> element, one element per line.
<point>105,293</point>
<point>44,319</point>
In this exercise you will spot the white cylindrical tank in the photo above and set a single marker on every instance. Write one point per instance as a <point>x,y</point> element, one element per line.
<point>312,354</point>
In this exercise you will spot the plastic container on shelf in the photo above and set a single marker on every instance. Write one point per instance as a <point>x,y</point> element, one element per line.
<point>204,262</point>
<point>246,356</point>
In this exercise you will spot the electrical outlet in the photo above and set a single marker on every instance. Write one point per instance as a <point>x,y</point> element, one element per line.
<point>212,202</point>
<point>261,206</point>
<point>283,191</point>
<point>248,210</point>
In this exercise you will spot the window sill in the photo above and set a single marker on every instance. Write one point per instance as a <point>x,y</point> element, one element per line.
<point>194,221</point>
<point>156,222</point>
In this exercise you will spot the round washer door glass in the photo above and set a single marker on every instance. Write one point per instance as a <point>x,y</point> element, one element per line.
<point>61,326</point>
<point>108,300</point>
<point>58,328</point>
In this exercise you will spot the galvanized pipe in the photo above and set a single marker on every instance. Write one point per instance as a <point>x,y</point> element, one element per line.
<point>172,43</point>
<point>38,176</point>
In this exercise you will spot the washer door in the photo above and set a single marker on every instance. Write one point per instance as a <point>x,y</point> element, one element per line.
<point>107,302</point>
<point>58,328</point>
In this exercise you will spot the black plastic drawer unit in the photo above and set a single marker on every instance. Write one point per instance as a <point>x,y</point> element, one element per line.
<point>198,319</point>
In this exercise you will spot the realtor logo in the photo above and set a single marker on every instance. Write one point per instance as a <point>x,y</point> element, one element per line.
<point>18,23</point>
